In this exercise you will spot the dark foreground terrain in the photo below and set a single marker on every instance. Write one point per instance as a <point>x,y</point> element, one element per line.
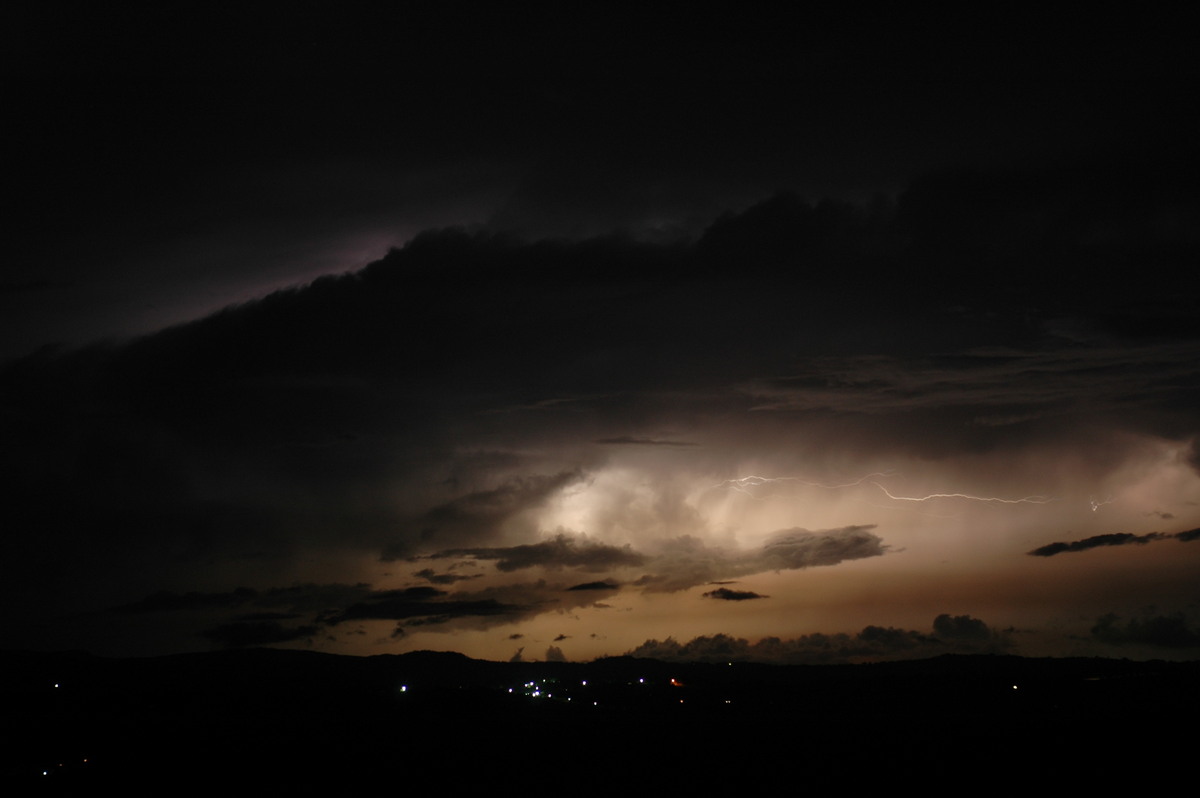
<point>435,722</point>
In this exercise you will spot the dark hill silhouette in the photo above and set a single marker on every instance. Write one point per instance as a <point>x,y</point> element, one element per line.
<point>278,718</point>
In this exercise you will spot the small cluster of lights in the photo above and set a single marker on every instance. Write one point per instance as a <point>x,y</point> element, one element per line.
<point>539,688</point>
<point>532,690</point>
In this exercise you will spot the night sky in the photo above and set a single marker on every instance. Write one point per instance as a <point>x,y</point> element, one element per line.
<point>592,329</point>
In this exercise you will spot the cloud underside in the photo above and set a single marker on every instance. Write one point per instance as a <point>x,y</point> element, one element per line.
<point>687,561</point>
<point>678,565</point>
<point>262,617</point>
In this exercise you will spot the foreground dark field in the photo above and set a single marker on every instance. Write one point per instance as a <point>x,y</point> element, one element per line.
<point>275,719</point>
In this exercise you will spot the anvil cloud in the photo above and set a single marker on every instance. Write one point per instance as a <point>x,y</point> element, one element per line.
<point>453,330</point>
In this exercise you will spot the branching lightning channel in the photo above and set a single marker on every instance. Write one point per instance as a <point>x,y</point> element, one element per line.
<point>1096,505</point>
<point>991,499</point>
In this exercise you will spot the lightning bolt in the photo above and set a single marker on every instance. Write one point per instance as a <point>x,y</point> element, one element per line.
<point>747,485</point>
<point>1097,505</point>
<point>744,484</point>
<point>993,499</point>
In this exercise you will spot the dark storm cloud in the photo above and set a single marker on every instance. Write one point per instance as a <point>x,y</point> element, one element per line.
<point>1162,631</point>
<point>430,575</point>
<point>430,609</point>
<point>594,586</point>
<point>676,565</point>
<point>316,606</point>
<point>1112,539</point>
<point>1096,541</point>
<point>726,594</point>
<point>872,643</point>
<point>560,551</point>
<point>245,360</point>
<point>740,123</point>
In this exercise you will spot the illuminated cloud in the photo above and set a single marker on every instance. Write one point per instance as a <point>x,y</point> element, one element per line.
<point>481,515</point>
